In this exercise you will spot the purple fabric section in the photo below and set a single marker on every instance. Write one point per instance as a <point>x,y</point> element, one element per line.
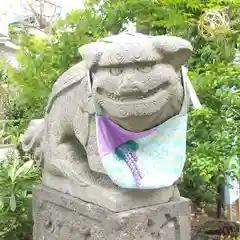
<point>111,136</point>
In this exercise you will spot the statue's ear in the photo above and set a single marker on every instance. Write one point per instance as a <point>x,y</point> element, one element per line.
<point>173,50</point>
<point>92,52</point>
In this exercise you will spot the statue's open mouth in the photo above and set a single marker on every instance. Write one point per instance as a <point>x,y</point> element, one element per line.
<point>133,95</point>
<point>137,104</point>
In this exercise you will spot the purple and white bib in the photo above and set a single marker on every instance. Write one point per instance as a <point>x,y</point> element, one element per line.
<point>144,160</point>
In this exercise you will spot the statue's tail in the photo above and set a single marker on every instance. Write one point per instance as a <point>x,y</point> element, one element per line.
<point>32,138</point>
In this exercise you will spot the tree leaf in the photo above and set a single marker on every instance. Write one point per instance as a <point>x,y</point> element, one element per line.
<point>1,203</point>
<point>24,169</point>
<point>13,203</point>
<point>12,170</point>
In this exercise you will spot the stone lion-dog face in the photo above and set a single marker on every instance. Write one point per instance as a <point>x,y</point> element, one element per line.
<point>137,82</point>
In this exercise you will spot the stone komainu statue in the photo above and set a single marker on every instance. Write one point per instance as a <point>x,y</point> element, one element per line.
<point>136,80</point>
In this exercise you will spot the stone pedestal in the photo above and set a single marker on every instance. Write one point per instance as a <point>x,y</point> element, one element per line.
<point>107,195</point>
<point>58,216</point>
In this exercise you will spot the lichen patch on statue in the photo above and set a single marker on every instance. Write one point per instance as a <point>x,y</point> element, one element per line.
<point>141,107</point>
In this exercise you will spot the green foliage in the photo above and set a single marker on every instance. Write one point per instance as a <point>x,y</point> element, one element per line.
<point>212,129</point>
<point>17,176</point>
<point>43,60</point>
<point>172,17</point>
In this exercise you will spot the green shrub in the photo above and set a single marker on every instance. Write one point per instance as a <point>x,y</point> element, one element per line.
<point>43,60</point>
<point>17,176</point>
<point>212,130</point>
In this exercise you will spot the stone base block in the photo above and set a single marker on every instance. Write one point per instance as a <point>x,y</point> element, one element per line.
<point>58,216</point>
<point>111,197</point>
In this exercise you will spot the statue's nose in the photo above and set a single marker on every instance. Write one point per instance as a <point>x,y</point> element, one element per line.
<point>130,87</point>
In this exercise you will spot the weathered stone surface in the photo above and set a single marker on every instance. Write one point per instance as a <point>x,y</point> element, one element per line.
<point>58,216</point>
<point>110,197</point>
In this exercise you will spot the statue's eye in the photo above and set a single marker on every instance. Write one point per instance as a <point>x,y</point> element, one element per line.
<point>145,68</point>
<point>116,71</point>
